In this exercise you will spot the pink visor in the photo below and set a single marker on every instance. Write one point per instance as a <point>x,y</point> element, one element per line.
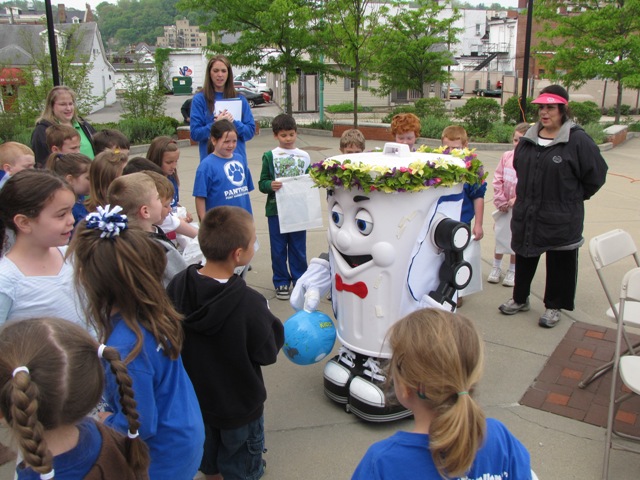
<point>549,99</point>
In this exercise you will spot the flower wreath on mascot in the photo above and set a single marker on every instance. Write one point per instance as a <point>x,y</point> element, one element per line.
<point>395,246</point>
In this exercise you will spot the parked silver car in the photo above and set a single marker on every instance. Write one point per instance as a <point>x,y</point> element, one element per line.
<point>454,91</point>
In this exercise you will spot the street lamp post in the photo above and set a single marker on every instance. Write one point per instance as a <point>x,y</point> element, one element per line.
<point>55,74</point>
<point>525,68</point>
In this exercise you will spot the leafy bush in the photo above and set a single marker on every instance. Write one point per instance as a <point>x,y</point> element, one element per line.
<point>13,129</point>
<point>324,125</point>
<point>141,131</point>
<point>478,114</point>
<point>104,126</point>
<point>141,95</point>
<point>624,110</point>
<point>513,112</point>
<point>596,132</point>
<point>346,107</point>
<point>634,127</point>
<point>499,133</point>
<point>397,110</point>
<point>430,107</point>
<point>432,127</point>
<point>585,112</point>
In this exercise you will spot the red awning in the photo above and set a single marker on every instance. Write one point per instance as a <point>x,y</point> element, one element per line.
<point>11,76</point>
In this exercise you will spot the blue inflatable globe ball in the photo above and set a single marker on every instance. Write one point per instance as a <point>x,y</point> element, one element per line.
<point>308,337</point>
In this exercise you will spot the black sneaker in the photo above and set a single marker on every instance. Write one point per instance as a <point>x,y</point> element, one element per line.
<point>282,292</point>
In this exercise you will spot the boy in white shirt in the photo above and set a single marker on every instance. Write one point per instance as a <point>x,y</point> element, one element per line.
<point>284,161</point>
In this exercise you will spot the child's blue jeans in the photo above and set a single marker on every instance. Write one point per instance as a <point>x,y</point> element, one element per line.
<point>291,247</point>
<point>236,453</point>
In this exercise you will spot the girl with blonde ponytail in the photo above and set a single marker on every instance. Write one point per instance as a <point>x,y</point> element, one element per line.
<point>51,378</point>
<point>436,363</point>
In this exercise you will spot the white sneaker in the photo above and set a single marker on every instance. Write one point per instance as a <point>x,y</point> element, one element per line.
<point>549,318</point>
<point>494,276</point>
<point>509,279</point>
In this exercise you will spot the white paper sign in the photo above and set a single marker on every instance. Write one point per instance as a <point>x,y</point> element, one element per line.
<point>231,105</point>
<point>298,204</point>
<point>503,231</point>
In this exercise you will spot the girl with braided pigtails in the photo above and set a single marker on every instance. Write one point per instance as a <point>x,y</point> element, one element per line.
<point>51,378</point>
<point>119,269</point>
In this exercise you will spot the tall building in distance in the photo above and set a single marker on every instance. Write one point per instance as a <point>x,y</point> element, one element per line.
<point>182,35</point>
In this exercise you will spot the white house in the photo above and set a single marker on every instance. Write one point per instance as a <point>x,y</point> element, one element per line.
<point>20,43</point>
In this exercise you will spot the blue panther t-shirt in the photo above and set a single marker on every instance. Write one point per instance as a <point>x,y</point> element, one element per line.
<point>224,181</point>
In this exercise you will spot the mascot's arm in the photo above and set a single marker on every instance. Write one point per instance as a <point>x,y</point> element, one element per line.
<point>428,302</point>
<point>312,286</point>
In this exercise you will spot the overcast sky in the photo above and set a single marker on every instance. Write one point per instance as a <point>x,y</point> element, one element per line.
<point>79,4</point>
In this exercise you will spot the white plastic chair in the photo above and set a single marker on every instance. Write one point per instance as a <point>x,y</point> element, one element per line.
<point>605,250</point>
<point>628,366</point>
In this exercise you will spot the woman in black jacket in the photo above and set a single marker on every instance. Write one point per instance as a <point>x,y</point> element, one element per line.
<point>558,167</point>
<point>60,108</point>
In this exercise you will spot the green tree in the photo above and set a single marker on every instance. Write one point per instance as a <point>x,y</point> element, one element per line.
<point>594,39</point>
<point>277,36</point>
<point>415,46</point>
<point>142,96</point>
<point>352,40</point>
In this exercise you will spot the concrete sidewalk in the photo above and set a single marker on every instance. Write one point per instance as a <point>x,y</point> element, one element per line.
<point>310,437</point>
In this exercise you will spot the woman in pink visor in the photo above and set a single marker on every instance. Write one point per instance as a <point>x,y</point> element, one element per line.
<point>558,167</point>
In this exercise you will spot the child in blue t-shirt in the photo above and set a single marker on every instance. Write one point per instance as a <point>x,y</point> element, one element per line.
<point>436,363</point>
<point>455,136</point>
<point>223,177</point>
<point>119,270</point>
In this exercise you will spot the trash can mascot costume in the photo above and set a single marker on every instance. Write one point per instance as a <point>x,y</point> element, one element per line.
<point>395,246</point>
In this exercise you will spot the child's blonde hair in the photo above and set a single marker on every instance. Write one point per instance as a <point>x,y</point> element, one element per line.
<point>405,122</point>
<point>439,356</point>
<point>10,151</point>
<point>131,192</point>
<point>63,164</point>
<point>57,133</point>
<point>163,185</point>
<point>105,168</point>
<point>455,132</point>
<point>51,376</point>
<point>352,137</point>
<point>522,127</point>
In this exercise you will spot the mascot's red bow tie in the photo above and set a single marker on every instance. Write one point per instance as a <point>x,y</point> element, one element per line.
<point>358,288</point>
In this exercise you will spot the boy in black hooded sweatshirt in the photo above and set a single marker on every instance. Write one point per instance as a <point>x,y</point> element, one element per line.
<point>229,334</point>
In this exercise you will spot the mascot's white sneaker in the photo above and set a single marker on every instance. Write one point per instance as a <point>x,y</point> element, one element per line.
<point>368,401</point>
<point>338,373</point>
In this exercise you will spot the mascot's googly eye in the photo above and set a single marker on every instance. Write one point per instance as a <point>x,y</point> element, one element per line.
<point>337,217</point>
<point>364,222</point>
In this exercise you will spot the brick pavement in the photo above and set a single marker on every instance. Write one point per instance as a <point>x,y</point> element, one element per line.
<point>583,348</point>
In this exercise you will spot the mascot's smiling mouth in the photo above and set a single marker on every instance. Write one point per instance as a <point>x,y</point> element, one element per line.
<point>355,260</point>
